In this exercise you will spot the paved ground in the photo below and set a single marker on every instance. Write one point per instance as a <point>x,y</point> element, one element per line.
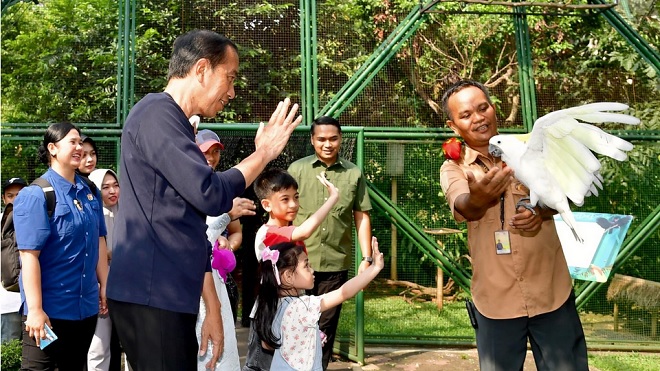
<point>403,359</point>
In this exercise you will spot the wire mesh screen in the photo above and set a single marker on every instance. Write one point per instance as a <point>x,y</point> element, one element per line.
<point>20,156</point>
<point>577,57</point>
<point>267,35</point>
<point>631,189</point>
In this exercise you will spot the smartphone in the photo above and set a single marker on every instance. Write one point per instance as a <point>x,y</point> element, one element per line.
<point>50,337</point>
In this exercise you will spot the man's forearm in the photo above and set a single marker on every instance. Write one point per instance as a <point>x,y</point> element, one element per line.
<point>209,295</point>
<point>470,207</point>
<point>363,227</point>
<point>253,165</point>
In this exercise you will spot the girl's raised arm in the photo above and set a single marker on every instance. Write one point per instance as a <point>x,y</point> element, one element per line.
<point>357,283</point>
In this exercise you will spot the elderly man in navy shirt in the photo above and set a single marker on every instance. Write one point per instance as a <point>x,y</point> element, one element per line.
<point>161,254</point>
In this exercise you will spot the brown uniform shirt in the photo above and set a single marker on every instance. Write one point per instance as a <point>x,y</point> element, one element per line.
<point>534,278</point>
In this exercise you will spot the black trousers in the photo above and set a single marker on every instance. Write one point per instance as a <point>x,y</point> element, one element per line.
<point>155,339</point>
<point>325,282</point>
<point>250,267</point>
<point>67,353</point>
<point>115,351</point>
<point>556,338</point>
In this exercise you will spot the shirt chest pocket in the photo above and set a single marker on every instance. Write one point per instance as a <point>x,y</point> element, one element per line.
<point>347,191</point>
<point>63,219</point>
<point>91,217</point>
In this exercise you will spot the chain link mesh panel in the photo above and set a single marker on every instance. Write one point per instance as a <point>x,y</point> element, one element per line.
<point>577,59</point>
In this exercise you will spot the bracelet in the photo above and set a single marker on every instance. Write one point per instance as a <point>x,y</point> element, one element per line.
<point>368,259</point>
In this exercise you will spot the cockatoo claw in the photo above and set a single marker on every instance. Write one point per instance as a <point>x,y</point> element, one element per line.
<point>526,205</point>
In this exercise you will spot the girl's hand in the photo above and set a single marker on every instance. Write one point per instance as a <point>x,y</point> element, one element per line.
<point>333,192</point>
<point>379,259</point>
<point>34,325</point>
<point>223,242</point>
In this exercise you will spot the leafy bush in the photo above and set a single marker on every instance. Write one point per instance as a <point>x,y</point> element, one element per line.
<point>11,355</point>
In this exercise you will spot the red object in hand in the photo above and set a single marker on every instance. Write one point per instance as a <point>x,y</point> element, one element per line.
<point>452,148</point>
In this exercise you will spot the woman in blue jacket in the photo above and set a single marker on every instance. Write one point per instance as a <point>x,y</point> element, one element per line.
<point>62,279</point>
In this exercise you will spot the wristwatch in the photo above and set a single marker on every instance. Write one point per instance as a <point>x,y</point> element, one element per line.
<point>368,259</point>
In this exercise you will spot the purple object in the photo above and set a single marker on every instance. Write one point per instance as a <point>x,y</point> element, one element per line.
<point>223,261</point>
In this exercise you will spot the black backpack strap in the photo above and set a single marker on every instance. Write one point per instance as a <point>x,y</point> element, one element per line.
<point>49,192</point>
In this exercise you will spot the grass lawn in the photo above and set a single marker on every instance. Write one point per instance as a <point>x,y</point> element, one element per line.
<point>625,361</point>
<point>389,315</point>
<point>393,315</point>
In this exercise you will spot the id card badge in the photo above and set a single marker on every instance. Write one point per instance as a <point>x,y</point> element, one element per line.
<point>502,242</point>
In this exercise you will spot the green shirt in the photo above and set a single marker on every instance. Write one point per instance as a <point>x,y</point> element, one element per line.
<point>330,247</point>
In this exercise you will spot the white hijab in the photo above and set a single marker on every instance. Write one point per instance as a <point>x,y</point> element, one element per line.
<point>97,176</point>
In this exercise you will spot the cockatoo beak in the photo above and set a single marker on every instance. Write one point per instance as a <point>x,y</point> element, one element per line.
<point>495,151</point>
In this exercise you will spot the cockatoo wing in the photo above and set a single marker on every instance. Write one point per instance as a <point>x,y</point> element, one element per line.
<point>566,144</point>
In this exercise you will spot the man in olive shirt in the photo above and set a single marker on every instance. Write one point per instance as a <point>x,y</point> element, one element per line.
<point>330,247</point>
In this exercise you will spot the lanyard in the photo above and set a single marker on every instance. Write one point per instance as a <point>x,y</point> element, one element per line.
<point>486,169</point>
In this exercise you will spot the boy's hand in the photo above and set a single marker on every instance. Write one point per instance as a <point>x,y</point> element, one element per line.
<point>333,192</point>
<point>242,207</point>
<point>379,259</point>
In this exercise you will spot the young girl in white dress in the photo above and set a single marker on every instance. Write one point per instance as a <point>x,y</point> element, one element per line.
<point>286,319</point>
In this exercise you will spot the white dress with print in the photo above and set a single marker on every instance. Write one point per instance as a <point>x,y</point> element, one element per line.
<point>229,360</point>
<point>297,326</point>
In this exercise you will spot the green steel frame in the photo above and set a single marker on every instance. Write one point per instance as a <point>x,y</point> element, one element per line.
<point>387,49</point>
<point>393,43</point>
<point>308,61</point>
<point>525,68</point>
<point>650,55</point>
<point>347,94</point>
<point>125,59</point>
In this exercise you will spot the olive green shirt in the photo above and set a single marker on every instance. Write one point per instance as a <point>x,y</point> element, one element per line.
<point>330,247</point>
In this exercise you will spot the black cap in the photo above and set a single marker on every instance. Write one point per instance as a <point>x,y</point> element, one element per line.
<point>14,181</point>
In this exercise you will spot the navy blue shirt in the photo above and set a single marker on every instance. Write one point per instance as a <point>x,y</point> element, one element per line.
<point>68,245</point>
<point>160,248</point>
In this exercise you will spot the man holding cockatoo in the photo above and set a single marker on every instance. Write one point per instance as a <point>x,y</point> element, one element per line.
<point>521,292</point>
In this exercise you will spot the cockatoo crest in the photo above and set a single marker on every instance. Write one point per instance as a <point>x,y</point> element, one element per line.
<point>555,160</point>
<point>522,137</point>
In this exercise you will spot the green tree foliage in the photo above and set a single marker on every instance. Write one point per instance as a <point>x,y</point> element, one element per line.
<point>11,355</point>
<point>58,61</point>
<point>157,25</point>
<point>268,37</point>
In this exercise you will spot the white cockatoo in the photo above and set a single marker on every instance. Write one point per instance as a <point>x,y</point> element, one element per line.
<point>555,160</point>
